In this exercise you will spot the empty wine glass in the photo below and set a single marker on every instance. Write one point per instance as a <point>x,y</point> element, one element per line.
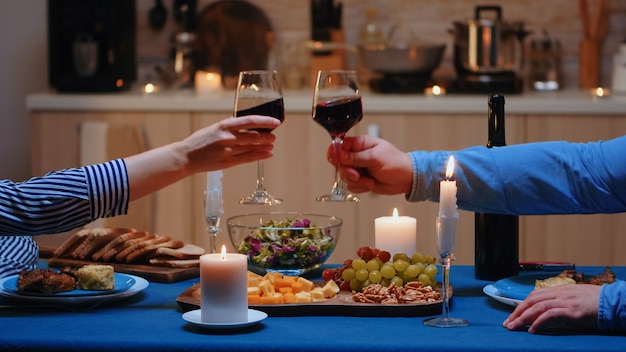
<point>337,107</point>
<point>259,93</point>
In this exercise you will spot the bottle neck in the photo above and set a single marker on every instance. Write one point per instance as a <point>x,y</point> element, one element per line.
<point>496,135</point>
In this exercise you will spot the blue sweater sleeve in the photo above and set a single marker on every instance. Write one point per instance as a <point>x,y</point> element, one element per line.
<point>612,307</point>
<point>527,179</point>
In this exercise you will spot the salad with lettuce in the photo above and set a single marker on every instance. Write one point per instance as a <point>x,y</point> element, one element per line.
<point>287,244</point>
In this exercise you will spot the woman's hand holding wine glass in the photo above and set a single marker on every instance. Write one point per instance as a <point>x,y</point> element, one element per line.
<point>259,93</point>
<point>337,107</point>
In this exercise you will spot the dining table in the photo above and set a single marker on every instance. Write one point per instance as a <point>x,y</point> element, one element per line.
<point>152,320</point>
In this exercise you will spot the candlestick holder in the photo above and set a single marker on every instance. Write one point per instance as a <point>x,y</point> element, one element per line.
<point>446,228</point>
<point>212,213</point>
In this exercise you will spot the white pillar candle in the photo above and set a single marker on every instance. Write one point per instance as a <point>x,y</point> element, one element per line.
<point>446,222</point>
<point>207,82</point>
<point>396,234</point>
<point>223,287</point>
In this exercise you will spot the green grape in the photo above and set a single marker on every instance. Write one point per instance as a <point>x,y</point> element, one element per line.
<point>421,266</point>
<point>412,271</point>
<point>423,278</point>
<point>400,265</point>
<point>362,274</point>
<point>348,274</point>
<point>355,285</point>
<point>358,264</point>
<point>431,271</point>
<point>429,259</point>
<point>387,271</point>
<point>375,276</point>
<point>417,257</point>
<point>400,255</point>
<point>405,278</point>
<point>396,280</point>
<point>385,282</point>
<point>372,265</point>
<point>365,283</point>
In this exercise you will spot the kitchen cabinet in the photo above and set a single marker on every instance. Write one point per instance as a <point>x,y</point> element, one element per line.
<point>298,171</point>
<point>56,144</point>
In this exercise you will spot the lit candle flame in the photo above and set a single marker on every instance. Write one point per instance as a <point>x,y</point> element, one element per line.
<point>223,252</point>
<point>149,88</point>
<point>450,168</point>
<point>436,90</point>
<point>599,91</point>
<point>395,214</point>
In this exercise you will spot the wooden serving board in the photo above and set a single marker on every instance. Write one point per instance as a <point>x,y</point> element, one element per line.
<point>341,304</point>
<point>149,272</point>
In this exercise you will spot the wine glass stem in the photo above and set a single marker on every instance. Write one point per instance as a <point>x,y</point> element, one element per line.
<point>213,228</point>
<point>338,186</point>
<point>446,282</point>
<point>260,180</point>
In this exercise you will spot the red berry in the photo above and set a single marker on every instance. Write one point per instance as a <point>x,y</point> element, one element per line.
<point>384,256</point>
<point>328,274</point>
<point>365,253</point>
<point>345,285</point>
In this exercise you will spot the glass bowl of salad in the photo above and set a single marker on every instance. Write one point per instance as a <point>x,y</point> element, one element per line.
<point>289,243</point>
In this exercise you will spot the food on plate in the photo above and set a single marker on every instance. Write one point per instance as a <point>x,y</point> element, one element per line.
<point>96,277</point>
<point>130,246</point>
<point>300,245</point>
<point>412,292</point>
<point>47,281</point>
<point>276,288</point>
<point>375,266</point>
<point>568,277</point>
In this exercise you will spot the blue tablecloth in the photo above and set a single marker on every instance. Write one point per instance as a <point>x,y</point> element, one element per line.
<point>152,321</point>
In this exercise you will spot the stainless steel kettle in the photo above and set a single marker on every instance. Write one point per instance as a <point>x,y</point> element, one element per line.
<point>488,45</point>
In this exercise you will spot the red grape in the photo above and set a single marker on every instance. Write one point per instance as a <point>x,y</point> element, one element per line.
<point>328,274</point>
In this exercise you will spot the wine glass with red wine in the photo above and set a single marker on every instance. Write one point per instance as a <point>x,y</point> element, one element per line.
<point>259,93</point>
<point>337,107</point>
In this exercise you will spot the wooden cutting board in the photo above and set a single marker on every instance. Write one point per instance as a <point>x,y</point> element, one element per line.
<point>149,272</point>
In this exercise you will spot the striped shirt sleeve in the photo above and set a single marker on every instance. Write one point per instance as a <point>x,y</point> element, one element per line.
<point>63,200</point>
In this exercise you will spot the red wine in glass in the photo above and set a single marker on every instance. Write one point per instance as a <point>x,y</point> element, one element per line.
<point>337,107</point>
<point>339,116</point>
<point>274,108</point>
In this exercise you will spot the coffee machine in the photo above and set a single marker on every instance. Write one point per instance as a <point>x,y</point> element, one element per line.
<point>91,45</point>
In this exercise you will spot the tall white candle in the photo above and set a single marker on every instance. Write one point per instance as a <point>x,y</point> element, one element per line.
<point>396,234</point>
<point>446,222</point>
<point>223,287</point>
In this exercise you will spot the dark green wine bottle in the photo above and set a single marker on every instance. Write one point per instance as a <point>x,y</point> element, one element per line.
<point>496,236</point>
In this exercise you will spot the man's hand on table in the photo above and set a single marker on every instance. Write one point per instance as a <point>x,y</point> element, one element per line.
<point>575,305</point>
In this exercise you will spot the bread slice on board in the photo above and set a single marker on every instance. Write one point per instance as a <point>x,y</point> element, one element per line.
<point>188,251</point>
<point>141,254</point>
<point>144,242</point>
<point>98,238</point>
<point>67,247</point>
<point>175,263</point>
<point>117,241</point>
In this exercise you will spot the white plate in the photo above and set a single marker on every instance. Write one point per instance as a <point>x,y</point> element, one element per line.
<point>492,291</point>
<point>123,282</point>
<point>89,301</point>
<point>254,316</point>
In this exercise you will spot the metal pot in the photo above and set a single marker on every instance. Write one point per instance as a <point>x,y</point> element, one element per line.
<point>488,46</point>
<point>402,58</point>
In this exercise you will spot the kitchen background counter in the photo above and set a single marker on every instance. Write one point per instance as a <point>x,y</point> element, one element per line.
<point>72,130</point>
<point>572,102</point>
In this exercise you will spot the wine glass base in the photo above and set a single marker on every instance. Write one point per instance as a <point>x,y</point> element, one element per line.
<point>348,198</point>
<point>446,322</point>
<point>261,198</point>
